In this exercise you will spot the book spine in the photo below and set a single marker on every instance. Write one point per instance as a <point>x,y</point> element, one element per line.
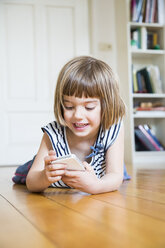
<point>156,82</point>
<point>142,138</point>
<point>153,10</point>
<point>135,38</point>
<point>139,9</point>
<point>149,137</point>
<point>142,13</point>
<point>156,12</point>
<point>160,11</point>
<point>154,137</point>
<point>139,82</point>
<point>144,38</point>
<point>148,3</point>
<point>133,10</point>
<point>134,78</point>
<point>147,80</point>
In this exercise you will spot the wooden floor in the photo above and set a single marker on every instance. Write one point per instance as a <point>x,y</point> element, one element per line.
<point>132,217</point>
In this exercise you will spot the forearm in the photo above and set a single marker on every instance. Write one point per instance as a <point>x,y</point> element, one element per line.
<point>108,183</point>
<point>36,181</point>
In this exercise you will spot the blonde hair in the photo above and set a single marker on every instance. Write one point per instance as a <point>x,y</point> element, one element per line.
<point>86,76</point>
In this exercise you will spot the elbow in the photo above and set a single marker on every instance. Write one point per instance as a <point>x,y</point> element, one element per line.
<point>29,184</point>
<point>119,182</point>
<point>31,188</point>
<point>35,183</point>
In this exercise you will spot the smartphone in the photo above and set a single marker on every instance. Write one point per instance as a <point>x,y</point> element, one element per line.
<point>72,161</point>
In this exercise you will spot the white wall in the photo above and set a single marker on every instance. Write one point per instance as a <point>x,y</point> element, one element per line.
<point>36,39</point>
<point>102,30</point>
<point>108,19</point>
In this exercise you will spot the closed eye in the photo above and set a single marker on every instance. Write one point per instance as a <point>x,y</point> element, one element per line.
<point>89,108</point>
<point>68,107</point>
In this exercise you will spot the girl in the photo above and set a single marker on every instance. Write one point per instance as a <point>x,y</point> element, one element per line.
<point>88,111</point>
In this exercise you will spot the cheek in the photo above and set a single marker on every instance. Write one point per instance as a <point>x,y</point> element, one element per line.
<point>96,117</point>
<point>67,115</point>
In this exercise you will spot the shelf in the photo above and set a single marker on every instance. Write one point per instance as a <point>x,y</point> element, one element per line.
<point>149,114</point>
<point>153,158</point>
<point>148,95</point>
<point>140,53</point>
<point>143,24</point>
<point>150,152</point>
<point>148,51</point>
<point>141,37</point>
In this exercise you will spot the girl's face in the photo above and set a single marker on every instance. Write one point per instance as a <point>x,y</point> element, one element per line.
<point>82,115</point>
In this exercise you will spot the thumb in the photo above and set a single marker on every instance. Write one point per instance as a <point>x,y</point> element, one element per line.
<point>87,166</point>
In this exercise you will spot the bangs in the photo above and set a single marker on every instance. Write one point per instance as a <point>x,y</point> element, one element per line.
<point>81,87</point>
<point>85,76</point>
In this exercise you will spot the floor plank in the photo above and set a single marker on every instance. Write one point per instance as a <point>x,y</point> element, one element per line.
<point>131,217</point>
<point>16,231</point>
<point>121,221</point>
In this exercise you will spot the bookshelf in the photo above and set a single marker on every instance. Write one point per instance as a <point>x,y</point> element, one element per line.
<point>146,49</point>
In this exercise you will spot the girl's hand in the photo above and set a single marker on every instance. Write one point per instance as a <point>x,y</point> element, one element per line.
<point>53,172</point>
<point>86,181</point>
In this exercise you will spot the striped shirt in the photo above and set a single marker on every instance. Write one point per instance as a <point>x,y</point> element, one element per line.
<point>58,138</point>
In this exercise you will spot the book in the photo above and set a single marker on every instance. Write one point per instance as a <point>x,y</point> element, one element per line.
<point>160,9</point>
<point>147,79</point>
<point>142,14</point>
<point>143,139</point>
<point>150,139</point>
<point>133,10</point>
<point>155,39</point>
<point>134,80</point>
<point>156,82</point>
<point>143,38</point>
<point>150,132</point>
<point>154,14</point>
<point>147,12</point>
<point>152,39</point>
<point>141,83</point>
<point>139,146</point>
<point>136,37</point>
<point>152,11</point>
<point>138,10</point>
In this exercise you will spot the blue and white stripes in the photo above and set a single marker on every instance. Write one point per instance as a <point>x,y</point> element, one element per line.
<point>57,136</point>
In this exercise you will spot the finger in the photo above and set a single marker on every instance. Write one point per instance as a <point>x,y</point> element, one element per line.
<point>57,173</point>
<point>54,167</point>
<point>52,152</point>
<point>69,181</point>
<point>87,166</point>
<point>54,179</point>
<point>71,173</point>
<point>49,159</point>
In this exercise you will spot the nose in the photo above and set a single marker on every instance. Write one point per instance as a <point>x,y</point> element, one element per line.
<point>78,113</point>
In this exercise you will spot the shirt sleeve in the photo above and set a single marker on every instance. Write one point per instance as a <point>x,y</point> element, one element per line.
<point>48,129</point>
<point>54,132</point>
<point>112,134</point>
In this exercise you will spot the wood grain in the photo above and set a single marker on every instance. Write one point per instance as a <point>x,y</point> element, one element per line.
<point>134,216</point>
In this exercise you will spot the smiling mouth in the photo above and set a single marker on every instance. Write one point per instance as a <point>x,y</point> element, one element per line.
<point>80,125</point>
